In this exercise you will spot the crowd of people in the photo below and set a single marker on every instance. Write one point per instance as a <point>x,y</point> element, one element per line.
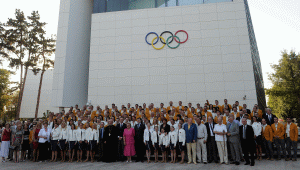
<point>225,134</point>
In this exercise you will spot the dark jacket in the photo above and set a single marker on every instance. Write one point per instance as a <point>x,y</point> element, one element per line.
<point>121,129</point>
<point>191,134</point>
<point>208,130</point>
<point>139,132</point>
<point>167,128</point>
<point>265,116</point>
<point>249,141</point>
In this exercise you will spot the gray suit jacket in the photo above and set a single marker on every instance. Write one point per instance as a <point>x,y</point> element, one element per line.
<point>234,131</point>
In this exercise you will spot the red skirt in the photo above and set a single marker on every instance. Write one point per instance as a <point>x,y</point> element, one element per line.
<point>35,145</point>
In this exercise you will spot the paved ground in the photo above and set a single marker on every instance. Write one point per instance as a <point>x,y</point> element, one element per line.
<point>260,165</point>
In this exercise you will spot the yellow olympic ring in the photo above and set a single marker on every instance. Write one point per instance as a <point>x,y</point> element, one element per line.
<point>160,47</point>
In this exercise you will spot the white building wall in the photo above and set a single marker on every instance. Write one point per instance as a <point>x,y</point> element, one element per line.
<point>30,95</point>
<point>214,64</point>
<point>70,79</point>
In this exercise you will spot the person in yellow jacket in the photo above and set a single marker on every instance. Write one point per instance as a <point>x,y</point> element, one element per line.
<point>267,138</point>
<point>206,113</point>
<point>171,107</point>
<point>291,138</point>
<point>226,104</point>
<point>255,110</point>
<point>180,107</point>
<point>278,133</point>
<point>187,112</point>
<point>218,106</point>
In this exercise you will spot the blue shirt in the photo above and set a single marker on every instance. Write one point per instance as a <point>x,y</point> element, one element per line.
<point>191,134</point>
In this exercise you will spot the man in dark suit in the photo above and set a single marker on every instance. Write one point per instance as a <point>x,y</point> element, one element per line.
<point>211,142</point>
<point>121,126</point>
<point>101,142</point>
<point>247,142</point>
<point>139,140</point>
<point>269,117</point>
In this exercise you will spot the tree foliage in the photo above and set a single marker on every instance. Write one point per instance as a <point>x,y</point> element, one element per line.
<point>284,95</point>
<point>7,95</point>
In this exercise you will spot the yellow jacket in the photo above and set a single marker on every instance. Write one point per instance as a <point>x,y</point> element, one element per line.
<point>293,132</point>
<point>279,132</point>
<point>268,133</point>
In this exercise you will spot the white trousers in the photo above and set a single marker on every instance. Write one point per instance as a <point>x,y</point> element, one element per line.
<point>222,149</point>
<point>201,150</point>
<point>191,147</point>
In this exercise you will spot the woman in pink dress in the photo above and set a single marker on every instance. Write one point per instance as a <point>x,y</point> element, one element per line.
<point>128,137</point>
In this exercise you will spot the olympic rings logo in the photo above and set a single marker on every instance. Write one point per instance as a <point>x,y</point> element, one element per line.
<point>164,42</point>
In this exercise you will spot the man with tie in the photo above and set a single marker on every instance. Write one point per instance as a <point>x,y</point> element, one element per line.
<point>121,126</point>
<point>139,140</point>
<point>211,142</point>
<point>191,138</point>
<point>233,140</point>
<point>269,117</point>
<point>101,141</point>
<point>247,141</point>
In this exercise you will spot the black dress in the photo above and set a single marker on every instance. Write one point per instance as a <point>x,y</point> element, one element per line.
<point>110,147</point>
<point>25,145</point>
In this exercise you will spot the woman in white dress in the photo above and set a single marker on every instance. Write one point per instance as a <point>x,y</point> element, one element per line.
<point>173,141</point>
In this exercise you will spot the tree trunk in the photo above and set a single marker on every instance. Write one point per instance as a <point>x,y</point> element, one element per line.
<point>39,95</point>
<point>21,83</point>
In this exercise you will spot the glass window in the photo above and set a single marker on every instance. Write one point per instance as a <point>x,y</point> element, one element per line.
<point>101,6</point>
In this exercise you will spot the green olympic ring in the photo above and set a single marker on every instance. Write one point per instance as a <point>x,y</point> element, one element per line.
<point>167,42</point>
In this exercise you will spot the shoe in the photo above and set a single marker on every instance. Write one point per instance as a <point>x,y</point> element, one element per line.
<point>271,159</point>
<point>268,158</point>
<point>247,163</point>
<point>142,161</point>
<point>223,163</point>
<point>287,159</point>
<point>209,162</point>
<point>232,162</point>
<point>195,163</point>
<point>252,164</point>
<point>130,161</point>
<point>292,159</point>
<point>279,159</point>
<point>205,162</point>
<point>3,161</point>
<point>127,161</point>
<point>189,162</point>
<point>237,163</point>
<point>199,161</point>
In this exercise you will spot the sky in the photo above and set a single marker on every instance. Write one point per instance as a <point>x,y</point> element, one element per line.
<point>276,25</point>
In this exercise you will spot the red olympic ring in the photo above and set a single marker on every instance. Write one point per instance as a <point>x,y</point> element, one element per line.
<point>187,36</point>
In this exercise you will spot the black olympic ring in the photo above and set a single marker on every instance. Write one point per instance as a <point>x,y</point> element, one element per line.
<point>164,33</point>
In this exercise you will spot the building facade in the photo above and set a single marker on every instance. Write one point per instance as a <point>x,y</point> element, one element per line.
<point>103,53</point>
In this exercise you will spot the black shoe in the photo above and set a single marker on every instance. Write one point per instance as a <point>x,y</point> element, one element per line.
<point>252,164</point>
<point>205,162</point>
<point>247,163</point>
<point>237,163</point>
<point>142,161</point>
<point>136,160</point>
<point>209,162</point>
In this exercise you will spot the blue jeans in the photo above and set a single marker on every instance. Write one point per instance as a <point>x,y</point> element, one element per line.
<point>268,147</point>
<point>280,146</point>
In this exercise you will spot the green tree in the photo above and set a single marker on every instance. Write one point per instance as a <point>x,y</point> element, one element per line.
<point>6,93</point>
<point>5,43</point>
<point>46,49</point>
<point>284,95</point>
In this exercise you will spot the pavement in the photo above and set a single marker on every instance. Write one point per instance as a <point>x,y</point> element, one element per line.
<point>259,165</point>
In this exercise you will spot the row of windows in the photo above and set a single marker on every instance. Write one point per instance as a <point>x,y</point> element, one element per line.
<point>101,6</point>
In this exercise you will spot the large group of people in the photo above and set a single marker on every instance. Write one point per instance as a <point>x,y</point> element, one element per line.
<point>225,134</point>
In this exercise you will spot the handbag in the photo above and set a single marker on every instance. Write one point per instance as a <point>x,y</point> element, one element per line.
<point>11,147</point>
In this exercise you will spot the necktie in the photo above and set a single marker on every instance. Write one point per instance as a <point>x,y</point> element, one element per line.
<point>244,134</point>
<point>139,125</point>
<point>149,135</point>
<point>157,138</point>
<point>81,134</point>
<point>229,126</point>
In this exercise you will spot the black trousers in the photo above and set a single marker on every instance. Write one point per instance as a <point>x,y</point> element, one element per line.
<point>212,151</point>
<point>100,149</point>
<point>140,150</point>
<point>43,151</point>
<point>120,150</point>
<point>248,148</point>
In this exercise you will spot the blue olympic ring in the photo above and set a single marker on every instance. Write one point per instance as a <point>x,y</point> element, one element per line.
<point>149,34</point>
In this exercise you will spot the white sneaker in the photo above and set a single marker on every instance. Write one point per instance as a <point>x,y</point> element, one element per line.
<point>127,161</point>
<point>130,161</point>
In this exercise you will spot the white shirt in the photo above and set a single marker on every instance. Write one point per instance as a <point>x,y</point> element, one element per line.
<point>234,114</point>
<point>276,124</point>
<point>264,127</point>
<point>147,133</point>
<point>43,133</point>
<point>55,133</point>
<point>154,138</point>
<point>164,139</point>
<point>256,128</point>
<point>80,134</point>
<point>213,115</point>
<point>72,135</point>
<point>63,135</point>
<point>181,136</point>
<point>220,128</point>
<point>288,130</point>
<point>202,131</point>
<point>173,137</point>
